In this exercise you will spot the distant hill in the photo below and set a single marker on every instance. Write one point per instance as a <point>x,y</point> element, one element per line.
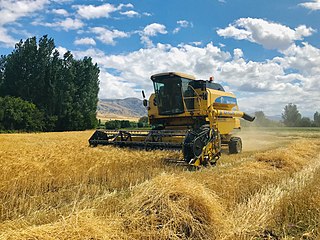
<point>130,108</point>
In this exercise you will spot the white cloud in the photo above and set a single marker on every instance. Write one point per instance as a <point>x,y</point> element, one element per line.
<point>5,38</point>
<point>61,50</point>
<point>108,36</point>
<point>85,41</point>
<point>151,30</point>
<point>11,11</point>
<point>97,55</point>
<point>182,24</point>
<point>70,24</point>
<point>128,5</point>
<point>60,11</point>
<point>232,31</point>
<point>115,87</point>
<point>147,14</point>
<point>134,68</point>
<point>62,1</point>
<point>91,11</point>
<point>237,53</point>
<point>267,85</point>
<point>66,24</point>
<point>313,5</point>
<point>197,43</point>
<point>268,34</point>
<point>305,59</point>
<point>130,13</point>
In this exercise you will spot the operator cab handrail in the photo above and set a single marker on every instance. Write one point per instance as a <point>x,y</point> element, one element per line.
<point>193,97</point>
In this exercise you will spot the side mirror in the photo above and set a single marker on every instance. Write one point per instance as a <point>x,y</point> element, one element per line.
<point>145,102</point>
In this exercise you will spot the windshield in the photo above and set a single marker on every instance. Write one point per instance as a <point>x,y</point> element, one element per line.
<point>168,92</point>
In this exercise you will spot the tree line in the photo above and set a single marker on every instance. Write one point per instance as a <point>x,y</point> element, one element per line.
<point>117,124</point>
<point>43,91</point>
<point>291,117</point>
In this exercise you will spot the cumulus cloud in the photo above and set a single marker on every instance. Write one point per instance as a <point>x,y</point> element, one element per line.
<point>130,13</point>
<point>5,38</point>
<point>147,14</point>
<point>196,43</point>
<point>61,50</point>
<point>85,41</point>
<point>62,1</point>
<point>60,11</point>
<point>268,34</point>
<point>66,24</point>
<point>12,10</point>
<point>306,59</point>
<point>236,33</point>
<point>313,5</point>
<point>151,30</point>
<point>69,24</point>
<point>116,87</point>
<point>182,24</point>
<point>237,53</point>
<point>107,36</point>
<point>92,11</point>
<point>267,85</point>
<point>97,55</point>
<point>134,68</point>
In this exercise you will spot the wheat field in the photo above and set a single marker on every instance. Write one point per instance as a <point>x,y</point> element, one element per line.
<point>54,186</point>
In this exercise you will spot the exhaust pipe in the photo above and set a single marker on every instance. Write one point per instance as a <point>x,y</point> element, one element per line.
<point>248,117</point>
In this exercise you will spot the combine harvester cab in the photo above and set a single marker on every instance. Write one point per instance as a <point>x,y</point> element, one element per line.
<point>195,116</point>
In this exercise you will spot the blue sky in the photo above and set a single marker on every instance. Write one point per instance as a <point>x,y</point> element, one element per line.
<point>266,52</point>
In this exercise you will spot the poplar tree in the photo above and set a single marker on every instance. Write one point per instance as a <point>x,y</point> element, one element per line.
<point>63,88</point>
<point>291,116</point>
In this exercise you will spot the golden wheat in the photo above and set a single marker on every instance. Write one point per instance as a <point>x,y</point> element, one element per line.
<point>54,186</point>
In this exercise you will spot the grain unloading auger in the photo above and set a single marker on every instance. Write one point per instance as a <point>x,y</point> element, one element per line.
<point>195,116</point>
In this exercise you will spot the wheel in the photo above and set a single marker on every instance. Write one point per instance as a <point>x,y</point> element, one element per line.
<point>187,146</point>
<point>194,142</point>
<point>235,145</point>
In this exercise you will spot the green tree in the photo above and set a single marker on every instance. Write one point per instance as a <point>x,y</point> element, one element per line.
<point>316,119</point>
<point>125,124</point>
<point>65,89</point>
<point>86,98</point>
<point>143,121</point>
<point>2,68</point>
<point>113,124</point>
<point>17,114</point>
<point>261,119</point>
<point>305,122</point>
<point>291,116</point>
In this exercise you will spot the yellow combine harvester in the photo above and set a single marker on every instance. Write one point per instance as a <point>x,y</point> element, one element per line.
<point>195,116</point>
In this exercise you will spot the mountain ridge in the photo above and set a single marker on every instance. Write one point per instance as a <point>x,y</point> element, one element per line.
<point>127,107</point>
